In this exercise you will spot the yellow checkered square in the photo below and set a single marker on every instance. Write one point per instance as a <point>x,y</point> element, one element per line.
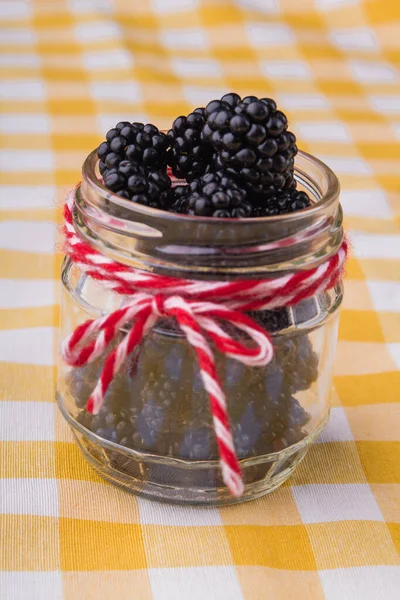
<point>267,546</point>
<point>100,546</point>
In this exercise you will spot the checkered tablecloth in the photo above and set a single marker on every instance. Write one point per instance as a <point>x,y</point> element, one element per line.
<point>70,69</point>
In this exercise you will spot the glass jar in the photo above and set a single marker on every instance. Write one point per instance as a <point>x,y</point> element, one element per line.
<point>154,434</point>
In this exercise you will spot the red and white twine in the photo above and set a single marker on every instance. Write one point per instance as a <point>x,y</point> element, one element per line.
<point>200,308</point>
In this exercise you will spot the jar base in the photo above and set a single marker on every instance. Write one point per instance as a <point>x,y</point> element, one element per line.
<point>193,497</point>
<point>176,481</point>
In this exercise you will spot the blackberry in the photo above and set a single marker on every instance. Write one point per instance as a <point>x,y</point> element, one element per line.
<point>216,195</point>
<point>189,157</point>
<point>134,182</point>
<point>251,139</point>
<point>306,365</point>
<point>281,202</point>
<point>273,320</point>
<point>178,199</point>
<point>142,144</point>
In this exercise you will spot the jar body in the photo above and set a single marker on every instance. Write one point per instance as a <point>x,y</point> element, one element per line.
<point>154,434</point>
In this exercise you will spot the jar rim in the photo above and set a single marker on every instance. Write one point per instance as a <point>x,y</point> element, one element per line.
<point>163,241</point>
<point>331,194</point>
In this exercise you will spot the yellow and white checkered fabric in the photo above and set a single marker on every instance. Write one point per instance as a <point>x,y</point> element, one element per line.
<point>70,69</point>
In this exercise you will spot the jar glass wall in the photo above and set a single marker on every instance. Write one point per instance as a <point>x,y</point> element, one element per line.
<point>154,434</point>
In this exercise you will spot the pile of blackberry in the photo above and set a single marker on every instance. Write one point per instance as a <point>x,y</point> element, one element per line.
<point>236,157</point>
<point>213,195</point>
<point>156,403</point>
<point>281,202</point>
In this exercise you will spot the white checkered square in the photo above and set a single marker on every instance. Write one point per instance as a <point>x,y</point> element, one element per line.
<point>322,503</point>
<point>369,583</point>
<point>97,31</point>
<point>154,513</point>
<point>23,293</point>
<point>26,421</point>
<point>26,160</point>
<point>29,497</point>
<point>23,60</point>
<point>117,91</point>
<point>263,35</point>
<point>338,428</point>
<point>38,585</point>
<point>348,165</point>
<point>385,104</point>
<point>27,196</point>
<point>12,10</point>
<point>286,69</point>
<point>304,101</point>
<point>80,7</point>
<point>98,60</point>
<point>162,7</point>
<point>394,350</point>
<point>25,123</point>
<point>385,295</point>
<point>195,39</point>
<point>18,89</point>
<point>354,39</point>
<point>21,346</point>
<point>34,236</point>
<point>268,7</point>
<point>366,203</point>
<point>324,131</point>
<point>334,4</point>
<point>17,36</point>
<point>371,245</point>
<point>196,67</point>
<point>196,583</point>
<point>372,72</point>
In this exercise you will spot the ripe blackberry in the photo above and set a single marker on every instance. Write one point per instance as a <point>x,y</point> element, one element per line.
<point>273,320</point>
<point>178,199</point>
<point>188,156</point>
<point>281,202</point>
<point>251,139</point>
<point>134,182</point>
<point>142,144</point>
<point>218,195</point>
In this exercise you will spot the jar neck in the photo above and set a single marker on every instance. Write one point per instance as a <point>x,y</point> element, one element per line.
<point>197,247</point>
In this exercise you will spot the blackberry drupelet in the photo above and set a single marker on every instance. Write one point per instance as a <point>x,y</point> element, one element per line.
<point>136,142</point>
<point>189,156</point>
<point>281,202</point>
<point>134,182</point>
<point>251,139</point>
